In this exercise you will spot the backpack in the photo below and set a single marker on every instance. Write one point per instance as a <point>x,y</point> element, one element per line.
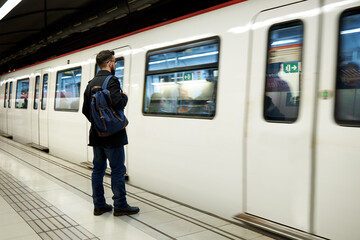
<point>106,120</point>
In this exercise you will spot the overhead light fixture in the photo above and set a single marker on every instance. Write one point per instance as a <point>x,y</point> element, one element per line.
<point>7,7</point>
<point>282,42</point>
<point>162,61</point>
<point>355,30</point>
<point>199,55</point>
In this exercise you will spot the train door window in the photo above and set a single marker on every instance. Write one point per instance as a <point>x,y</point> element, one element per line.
<point>36,95</point>
<point>10,94</point>
<point>347,98</point>
<point>5,95</point>
<point>181,80</point>
<point>44,91</point>
<point>68,90</point>
<point>119,70</point>
<point>283,74</point>
<point>22,91</point>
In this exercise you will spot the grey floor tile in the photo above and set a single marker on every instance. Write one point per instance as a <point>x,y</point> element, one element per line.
<point>179,228</point>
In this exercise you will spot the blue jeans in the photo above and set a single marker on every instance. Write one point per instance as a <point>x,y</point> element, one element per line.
<point>116,158</point>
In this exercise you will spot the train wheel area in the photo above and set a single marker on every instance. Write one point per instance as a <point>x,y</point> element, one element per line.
<point>44,197</point>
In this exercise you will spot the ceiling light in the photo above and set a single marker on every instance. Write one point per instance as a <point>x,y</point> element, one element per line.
<point>355,30</point>
<point>282,42</point>
<point>7,7</point>
<point>199,55</point>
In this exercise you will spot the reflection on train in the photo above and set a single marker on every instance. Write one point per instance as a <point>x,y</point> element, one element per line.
<point>250,109</point>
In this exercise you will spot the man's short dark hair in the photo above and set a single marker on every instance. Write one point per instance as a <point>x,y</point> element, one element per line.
<point>103,57</point>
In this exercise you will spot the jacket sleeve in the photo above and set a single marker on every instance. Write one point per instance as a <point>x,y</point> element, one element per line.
<point>119,100</point>
<point>86,104</point>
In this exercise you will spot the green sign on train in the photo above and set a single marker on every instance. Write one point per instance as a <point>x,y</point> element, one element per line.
<point>291,67</point>
<point>188,76</point>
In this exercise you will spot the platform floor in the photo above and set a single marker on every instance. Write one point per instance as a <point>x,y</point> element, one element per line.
<point>44,197</point>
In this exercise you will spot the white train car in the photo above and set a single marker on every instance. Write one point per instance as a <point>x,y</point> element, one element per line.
<point>251,107</point>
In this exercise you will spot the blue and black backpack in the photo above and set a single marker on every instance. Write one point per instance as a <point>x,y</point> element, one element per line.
<point>106,120</point>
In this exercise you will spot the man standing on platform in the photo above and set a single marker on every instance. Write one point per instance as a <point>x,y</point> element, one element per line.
<point>110,147</point>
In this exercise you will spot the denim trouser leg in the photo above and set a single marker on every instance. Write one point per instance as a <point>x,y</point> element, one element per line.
<point>116,158</point>
<point>97,177</point>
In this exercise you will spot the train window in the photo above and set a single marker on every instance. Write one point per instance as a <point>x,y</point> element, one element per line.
<point>5,95</point>
<point>182,80</point>
<point>119,70</point>
<point>44,92</point>
<point>283,74</point>
<point>347,97</point>
<point>22,91</point>
<point>68,90</point>
<point>36,96</point>
<point>10,94</point>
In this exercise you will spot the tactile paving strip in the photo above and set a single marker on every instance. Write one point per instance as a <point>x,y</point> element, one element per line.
<point>46,220</point>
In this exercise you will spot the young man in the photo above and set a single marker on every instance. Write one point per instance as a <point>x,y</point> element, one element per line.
<point>111,147</point>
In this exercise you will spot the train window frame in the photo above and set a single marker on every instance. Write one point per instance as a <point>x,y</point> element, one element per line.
<point>17,91</point>
<point>56,89</point>
<point>184,69</point>
<point>43,92</point>
<point>5,94</point>
<point>273,27</point>
<point>36,95</point>
<point>339,66</point>
<point>116,60</point>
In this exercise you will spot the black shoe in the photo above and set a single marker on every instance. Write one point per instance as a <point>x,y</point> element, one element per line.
<point>99,211</point>
<point>126,211</point>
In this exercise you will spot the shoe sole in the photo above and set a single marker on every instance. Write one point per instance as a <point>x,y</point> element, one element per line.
<point>124,213</point>
<point>101,213</point>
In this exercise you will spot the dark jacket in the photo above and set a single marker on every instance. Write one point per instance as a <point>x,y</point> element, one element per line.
<point>119,101</point>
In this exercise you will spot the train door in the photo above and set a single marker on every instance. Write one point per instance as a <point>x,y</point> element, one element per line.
<point>10,109</point>
<point>39,116</point>
<point>5,89</point>
<point>122,72</point>
<point>279,132</point>
<point>337,178</point>
<point>35,109</point>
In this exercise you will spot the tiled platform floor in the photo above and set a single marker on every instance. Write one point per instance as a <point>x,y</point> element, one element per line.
<point>43,197</point>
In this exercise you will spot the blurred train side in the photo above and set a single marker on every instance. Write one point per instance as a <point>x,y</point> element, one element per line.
<point>199,162</point>
<point>190,155</point>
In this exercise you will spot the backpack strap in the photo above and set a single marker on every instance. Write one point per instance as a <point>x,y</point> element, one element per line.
<point>107,81</point>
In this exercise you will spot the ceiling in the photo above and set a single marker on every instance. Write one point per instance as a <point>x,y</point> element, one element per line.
<point>36,30</point>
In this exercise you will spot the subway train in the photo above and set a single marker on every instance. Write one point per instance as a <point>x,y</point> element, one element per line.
<point>247,110</point>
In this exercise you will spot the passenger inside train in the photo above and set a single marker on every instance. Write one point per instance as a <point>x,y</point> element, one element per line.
<point>349,76</point>
<point>274,87</point>
<point>348,87</point>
